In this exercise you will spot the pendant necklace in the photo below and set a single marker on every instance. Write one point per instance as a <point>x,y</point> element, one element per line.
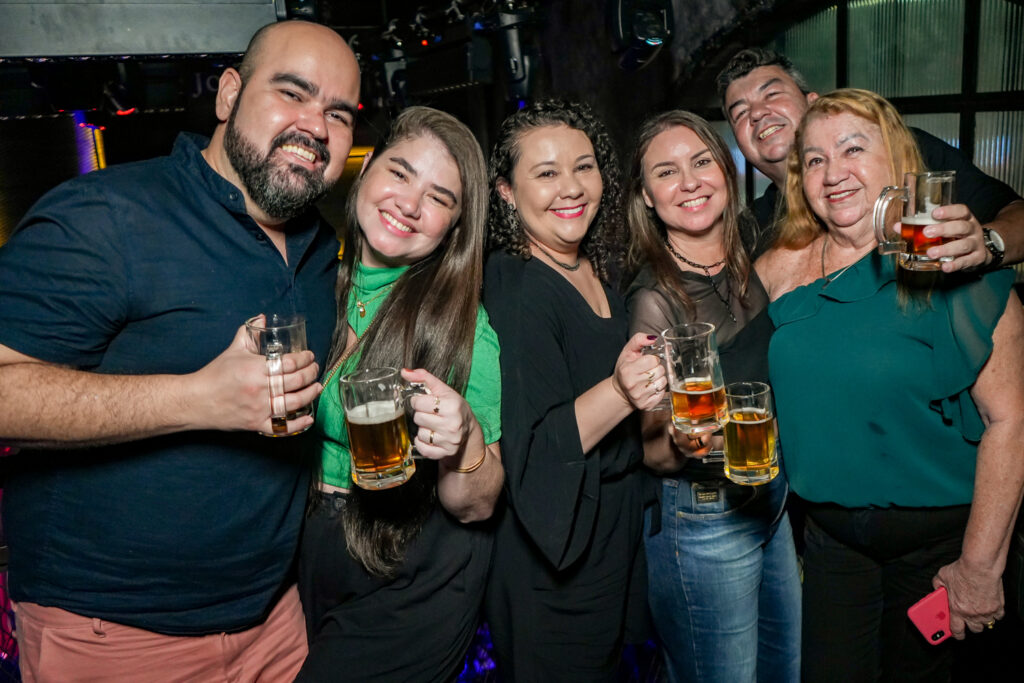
<point>567,266</point>
<point>361,305</point>
<point>711,280</point>
<point>829,279</point>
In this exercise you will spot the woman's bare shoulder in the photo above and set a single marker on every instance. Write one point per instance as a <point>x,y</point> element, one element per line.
<point>782,269</point>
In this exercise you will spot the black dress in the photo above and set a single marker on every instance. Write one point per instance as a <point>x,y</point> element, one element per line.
<point>568,578</point>
<point>415,627</point>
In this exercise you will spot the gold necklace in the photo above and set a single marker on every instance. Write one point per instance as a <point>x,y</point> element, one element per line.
<point>361,305</point>
<point>829,280</point>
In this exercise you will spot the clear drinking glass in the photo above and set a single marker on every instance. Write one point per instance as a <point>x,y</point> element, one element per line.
<point>378,433</point>
<point>694,377</point>
<point>274,336</point>
<point>921,194</point>
<point>751,434</point>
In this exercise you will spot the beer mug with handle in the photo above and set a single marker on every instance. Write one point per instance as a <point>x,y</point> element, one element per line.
<point>694,377</point>
<point>275,335</point>
<point>378,433</point>
<point>921,194</point>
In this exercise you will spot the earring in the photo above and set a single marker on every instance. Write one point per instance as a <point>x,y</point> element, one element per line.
<point>510,215</point>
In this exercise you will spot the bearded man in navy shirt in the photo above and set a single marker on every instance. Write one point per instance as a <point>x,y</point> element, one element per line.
<point>152,525</point>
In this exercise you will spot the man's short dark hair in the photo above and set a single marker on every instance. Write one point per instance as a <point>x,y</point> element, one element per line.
<point>745,61</point>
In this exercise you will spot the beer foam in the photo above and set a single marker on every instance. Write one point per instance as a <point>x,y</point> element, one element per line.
<point>919,219</point>
<point>373,413</point>
<point>681,387</point>
<point>750,416</point>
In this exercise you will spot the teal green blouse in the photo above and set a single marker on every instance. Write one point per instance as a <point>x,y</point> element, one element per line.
<point>371,287</point>
<point>873,398</point>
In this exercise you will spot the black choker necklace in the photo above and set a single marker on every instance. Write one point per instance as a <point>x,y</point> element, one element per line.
<point>567,266</point>
<point>707,273</point>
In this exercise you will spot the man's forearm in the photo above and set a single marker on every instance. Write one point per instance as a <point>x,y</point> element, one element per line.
<point>48,406</point>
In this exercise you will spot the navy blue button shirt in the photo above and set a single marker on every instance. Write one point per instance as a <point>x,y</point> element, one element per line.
<point>151,268</point>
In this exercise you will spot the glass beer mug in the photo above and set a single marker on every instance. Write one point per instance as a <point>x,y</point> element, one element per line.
<point>378,433</point>
<point>751,434</point>
<point>921,194</point>
<point>275,335</point>
<point>694,377</point>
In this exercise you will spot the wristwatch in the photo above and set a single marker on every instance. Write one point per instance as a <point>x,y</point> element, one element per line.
<point>995,245</point>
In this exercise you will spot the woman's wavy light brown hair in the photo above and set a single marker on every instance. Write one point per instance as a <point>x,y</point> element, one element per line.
<point>801,226</point>
<point>648,234</point>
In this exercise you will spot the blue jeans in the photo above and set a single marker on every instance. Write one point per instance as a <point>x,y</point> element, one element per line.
<point>724,586</point>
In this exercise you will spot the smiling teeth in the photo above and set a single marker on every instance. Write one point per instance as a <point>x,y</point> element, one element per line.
<point>691,203</point>
<point>841,195</point>
<point>768,131</point>
<point>574,212</point>
<point>391,221</point>
<point>299,152</point>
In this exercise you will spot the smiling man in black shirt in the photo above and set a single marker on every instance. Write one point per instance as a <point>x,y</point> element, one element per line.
<point>764,99</point>
<point>152,526</point>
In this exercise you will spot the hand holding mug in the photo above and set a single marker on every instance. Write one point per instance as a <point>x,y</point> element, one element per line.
<point>699,446</point>
<point>442,415</point>
<point>233,390</point>
<point>963,243</point>
<point>276,337</point>
<point>918,237</point>
<point>640,377</point>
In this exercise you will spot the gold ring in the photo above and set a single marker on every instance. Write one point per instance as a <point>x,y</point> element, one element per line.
<point>431,440</point>
<point>991,624</point>
<point>648,384</point>
<point>650,376</point>
<point>437,405</point>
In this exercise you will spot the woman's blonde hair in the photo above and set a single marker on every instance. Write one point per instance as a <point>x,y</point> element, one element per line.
<point>801,225</point>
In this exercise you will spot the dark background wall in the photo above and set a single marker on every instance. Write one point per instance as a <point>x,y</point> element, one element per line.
<point>567,41</point>
<point>169,72</point>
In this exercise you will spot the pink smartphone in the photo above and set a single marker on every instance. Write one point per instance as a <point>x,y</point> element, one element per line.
<point>930,615</point>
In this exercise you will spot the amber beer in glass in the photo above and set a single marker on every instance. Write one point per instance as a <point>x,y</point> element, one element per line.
<point>751,434</point>
<point>921,194</point>
<point>378,433</point>
<point>275,335</point>
<point>695,377</point>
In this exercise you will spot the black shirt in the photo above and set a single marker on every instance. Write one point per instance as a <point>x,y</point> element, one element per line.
<point>142,269</point>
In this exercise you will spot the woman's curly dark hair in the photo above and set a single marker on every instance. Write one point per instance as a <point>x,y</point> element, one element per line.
<point>604,239</point>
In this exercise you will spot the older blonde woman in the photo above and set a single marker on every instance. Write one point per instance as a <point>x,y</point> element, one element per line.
<point>900,404</point>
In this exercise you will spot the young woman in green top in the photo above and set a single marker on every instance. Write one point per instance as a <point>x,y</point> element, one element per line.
<point>391,581</point>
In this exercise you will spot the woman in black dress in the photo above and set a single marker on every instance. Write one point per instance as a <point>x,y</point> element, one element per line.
<point>567,584</point>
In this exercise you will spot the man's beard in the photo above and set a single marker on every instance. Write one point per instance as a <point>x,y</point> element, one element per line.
<point>279,189</point>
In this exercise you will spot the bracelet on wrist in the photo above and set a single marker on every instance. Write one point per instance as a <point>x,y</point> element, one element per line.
<point>472,468</point>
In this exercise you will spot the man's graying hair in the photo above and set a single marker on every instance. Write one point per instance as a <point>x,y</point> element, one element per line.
<point>745,61</point>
